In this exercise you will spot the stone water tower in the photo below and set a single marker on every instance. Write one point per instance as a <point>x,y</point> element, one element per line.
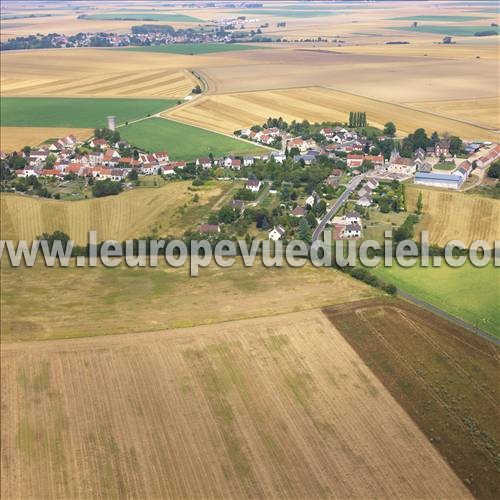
<point>111,122</point>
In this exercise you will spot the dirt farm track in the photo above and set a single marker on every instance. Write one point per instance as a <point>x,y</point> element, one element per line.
<point>274,407</point>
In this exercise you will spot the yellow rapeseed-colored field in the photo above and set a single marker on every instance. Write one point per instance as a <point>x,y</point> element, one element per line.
<point>229,112</point>
<point>278,407</point>
<point>451,215</point>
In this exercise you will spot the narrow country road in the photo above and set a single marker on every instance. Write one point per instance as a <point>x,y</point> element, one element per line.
<point>353,184</point>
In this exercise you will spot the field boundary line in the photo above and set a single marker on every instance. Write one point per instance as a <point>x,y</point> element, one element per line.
<point>460,322</point>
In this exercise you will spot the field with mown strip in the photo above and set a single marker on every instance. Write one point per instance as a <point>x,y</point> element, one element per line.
<point>445,378</point>
<point>450,215</point>
<point>108,301</point>
<point>75,112</point>
<point>230,112</point>
<point>195,48</point>
<point>277,407</point>
<point>140,212</point>
<point>142,16</point>
<point>469,293</point>
<point>183,142</point>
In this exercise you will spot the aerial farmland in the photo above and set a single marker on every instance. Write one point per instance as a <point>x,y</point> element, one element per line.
<point>143,142</point>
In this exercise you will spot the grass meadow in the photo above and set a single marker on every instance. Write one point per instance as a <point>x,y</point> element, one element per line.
<point>75,112</point>
<point>106,301</point>
<point>183,142</point>
<point>467,292</point>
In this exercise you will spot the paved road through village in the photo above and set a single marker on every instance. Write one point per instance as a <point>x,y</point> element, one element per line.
<point>353,184</point>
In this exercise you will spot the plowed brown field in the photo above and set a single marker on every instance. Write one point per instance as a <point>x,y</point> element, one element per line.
<point>445,377</point>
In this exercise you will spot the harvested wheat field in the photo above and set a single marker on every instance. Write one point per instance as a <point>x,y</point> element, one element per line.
<point>424,49</point>
<point>272,407</point>
<point>95,73</point>
<point>451,215</point>
<point>445,377</point>
<point>227,113</point>
<point>483,112</point>
<point>14,138</point>
<point>131,214</point>
<point>418,79</point>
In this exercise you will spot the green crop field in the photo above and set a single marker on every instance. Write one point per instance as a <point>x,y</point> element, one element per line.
<point>449,30</point>
<point>143,16</point>
<point>75,112</point>
<point>449,19</point>
<point>183,142</point>
<point>467,292</point>
<point>195,48</point>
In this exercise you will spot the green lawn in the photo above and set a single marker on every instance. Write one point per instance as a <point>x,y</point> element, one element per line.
<point>445,165</point>
<point>183,142</point>
<point>143,16</point>
<point>78,113</point>
<point>450,19</point>
<point>195,48</point>
<point>467,292</point>
<point>449,30</point>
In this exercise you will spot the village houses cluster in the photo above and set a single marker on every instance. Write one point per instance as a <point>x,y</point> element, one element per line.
<point>420,168</point>
<point>103,162</point>
<point>101,159</point>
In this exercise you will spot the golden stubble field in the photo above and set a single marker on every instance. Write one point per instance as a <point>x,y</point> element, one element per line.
<point>449,216</point>
<point>14,138</point>
<point>272,407</point>
<point>168,210</point>
<point>230,112</point>
<point>95,73</point>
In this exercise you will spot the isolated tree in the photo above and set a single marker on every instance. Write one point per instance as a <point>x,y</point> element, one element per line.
<point>420,203</point>
<point>390,129</point>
